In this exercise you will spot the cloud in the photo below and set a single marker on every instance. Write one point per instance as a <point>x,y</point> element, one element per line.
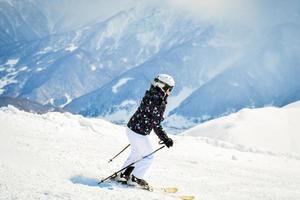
<point>216,9</point>
<point>258,12</point>
<point>240,15</point>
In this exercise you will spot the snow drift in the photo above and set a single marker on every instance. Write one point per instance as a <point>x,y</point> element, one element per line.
<point>269,128</point>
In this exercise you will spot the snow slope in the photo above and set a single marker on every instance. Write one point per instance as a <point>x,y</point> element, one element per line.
<point>295,104</point>
<point>62,156</point>
<point>268,129</point>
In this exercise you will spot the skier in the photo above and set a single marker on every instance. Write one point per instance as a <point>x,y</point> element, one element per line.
<point>148,117</point>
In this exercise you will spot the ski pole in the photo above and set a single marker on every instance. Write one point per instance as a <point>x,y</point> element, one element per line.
<point>118,153</point>
<point>131,164</point>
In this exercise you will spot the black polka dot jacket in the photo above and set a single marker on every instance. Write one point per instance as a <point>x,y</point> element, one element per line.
<point>149,114</point>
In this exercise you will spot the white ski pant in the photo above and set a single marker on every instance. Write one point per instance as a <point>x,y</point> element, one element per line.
<point>140,146</point>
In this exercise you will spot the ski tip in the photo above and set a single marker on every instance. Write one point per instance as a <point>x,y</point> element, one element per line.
<point>170,189</point>
<point>186,197</point>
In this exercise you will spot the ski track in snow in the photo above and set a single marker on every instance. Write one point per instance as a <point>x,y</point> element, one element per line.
<point>62,156</point>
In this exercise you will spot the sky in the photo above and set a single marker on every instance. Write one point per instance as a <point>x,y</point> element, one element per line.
<point>258,12</point>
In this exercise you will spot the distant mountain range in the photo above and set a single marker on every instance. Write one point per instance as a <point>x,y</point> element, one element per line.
<point>27,105</point>
<point>103,69</point>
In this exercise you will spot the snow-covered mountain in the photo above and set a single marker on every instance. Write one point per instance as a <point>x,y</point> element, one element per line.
<point>266,76</point>
<point>85,59</point>
<point>27,105</point>
<point>21,21</point>
<point>214,77</point>
<point>103,68</point>
<point>63,156</point>
<point>28,20</point>
<point>187,62</point>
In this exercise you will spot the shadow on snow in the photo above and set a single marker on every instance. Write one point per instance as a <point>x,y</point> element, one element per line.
<point>92,182</point>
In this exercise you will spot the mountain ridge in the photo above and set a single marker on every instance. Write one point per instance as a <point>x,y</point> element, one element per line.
<point>138,43</point>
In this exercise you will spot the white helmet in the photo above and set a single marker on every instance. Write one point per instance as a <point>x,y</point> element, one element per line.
<point>165,82</point>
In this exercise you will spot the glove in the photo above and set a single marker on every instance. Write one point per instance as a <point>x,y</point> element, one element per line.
<point>168,142</point>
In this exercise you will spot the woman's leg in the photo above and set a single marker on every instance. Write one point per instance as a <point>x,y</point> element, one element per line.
<point>140,147</point>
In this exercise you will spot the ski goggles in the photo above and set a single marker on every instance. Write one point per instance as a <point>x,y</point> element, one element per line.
<point>165,87</point>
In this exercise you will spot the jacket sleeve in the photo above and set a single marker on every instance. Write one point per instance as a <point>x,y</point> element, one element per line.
<point>155,112</point>
<point>159,131</point>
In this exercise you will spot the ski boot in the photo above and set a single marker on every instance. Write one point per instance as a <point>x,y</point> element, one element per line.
<point>134,181</point>
<point>123,177</point>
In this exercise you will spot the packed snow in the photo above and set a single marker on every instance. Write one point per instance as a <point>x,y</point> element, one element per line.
<point>62,156</point>
<point>293,105</point>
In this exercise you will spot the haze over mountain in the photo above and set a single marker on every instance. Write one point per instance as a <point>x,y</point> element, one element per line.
<point>224,56</point>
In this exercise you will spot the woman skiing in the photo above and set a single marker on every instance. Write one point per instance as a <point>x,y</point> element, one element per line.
<point>148,117</point>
